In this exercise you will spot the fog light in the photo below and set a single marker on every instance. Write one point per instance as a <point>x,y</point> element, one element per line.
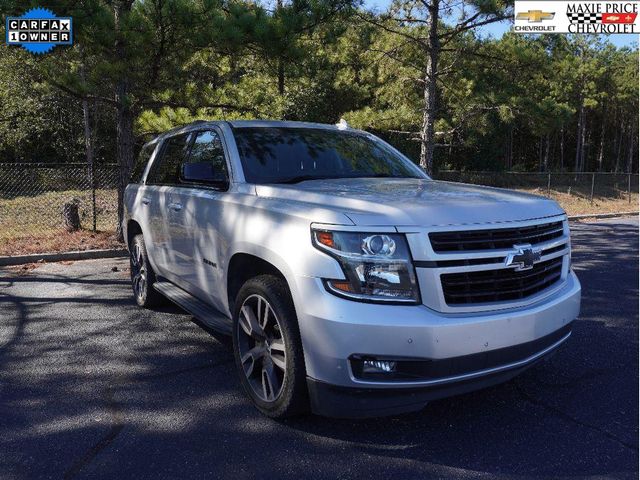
<point>378,366</point>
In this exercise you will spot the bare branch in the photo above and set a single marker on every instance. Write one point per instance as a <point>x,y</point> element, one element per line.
<point>79,95</point>
<point>391,30</point>
<point>448,36</point>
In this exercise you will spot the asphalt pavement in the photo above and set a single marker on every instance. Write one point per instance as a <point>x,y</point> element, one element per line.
<point>91,386</point>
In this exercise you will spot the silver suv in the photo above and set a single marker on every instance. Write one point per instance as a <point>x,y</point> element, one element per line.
<point>350,282</point>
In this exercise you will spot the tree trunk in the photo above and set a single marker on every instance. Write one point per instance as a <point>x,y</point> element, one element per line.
<point>632,137</point>
<point>546,154</point>
<point>552,152</point>
<point>540,154</point>
<point>88,144</point>
<point>562,149</point>
<point>579,138</point>
<point>280,76</point>
<point>125,116</point>
<point>601,149</point>
<point>510,157</point>
<point>430,89</point>
<point>507,149</point>
<point>586,149</point>
<point>280,60</point>
<point>125,142</point>
<point>619,149</point>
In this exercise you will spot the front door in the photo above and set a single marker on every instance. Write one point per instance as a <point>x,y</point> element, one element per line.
<point>203,188</point>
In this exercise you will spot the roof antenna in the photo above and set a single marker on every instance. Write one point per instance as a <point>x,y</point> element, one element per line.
<point>342,124</point>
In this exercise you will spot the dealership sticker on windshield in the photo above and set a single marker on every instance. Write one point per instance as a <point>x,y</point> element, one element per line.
<point>576,17</point>
<point>39,30</point>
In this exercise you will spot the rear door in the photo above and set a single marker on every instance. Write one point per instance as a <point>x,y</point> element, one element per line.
<point>165,223</point>
<point>137,195</point>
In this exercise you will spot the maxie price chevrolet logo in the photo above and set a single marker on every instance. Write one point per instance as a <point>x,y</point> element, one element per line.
<point>603,16</point>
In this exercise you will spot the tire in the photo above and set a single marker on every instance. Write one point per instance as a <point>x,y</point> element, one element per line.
<point>268,354</point>
<point>142,275</point>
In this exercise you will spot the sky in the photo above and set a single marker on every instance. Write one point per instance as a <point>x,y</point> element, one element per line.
<point>499,28</point>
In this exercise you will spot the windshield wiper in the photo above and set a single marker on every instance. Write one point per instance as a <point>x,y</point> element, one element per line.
<point>381,175</point>
<point>303,178</point>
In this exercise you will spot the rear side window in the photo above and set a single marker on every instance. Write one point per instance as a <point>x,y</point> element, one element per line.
<point>141,163</point>
<point>166,169</point>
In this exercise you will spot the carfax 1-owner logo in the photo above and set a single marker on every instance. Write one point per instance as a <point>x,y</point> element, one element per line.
<point>535,16</point>
<point>39,30</point>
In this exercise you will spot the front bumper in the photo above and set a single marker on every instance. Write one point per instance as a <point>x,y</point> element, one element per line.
<point>354,402</point>
<point>335,329</point>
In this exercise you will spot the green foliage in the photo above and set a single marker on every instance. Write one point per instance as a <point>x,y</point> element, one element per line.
<point>501,103</point>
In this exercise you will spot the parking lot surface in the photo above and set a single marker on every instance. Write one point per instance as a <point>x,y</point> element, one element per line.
<point>93,387</point>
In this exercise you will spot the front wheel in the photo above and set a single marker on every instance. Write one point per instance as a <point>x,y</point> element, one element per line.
<point>267,347</point>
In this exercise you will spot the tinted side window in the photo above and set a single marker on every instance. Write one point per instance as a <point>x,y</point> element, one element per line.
<point>141,162</point>
<point>207,148</point>
<point>166,169</point>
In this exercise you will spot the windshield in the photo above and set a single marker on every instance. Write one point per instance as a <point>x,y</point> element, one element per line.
<point>291,155</point>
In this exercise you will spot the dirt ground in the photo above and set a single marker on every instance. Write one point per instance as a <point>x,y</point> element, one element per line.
<point>60,241</point>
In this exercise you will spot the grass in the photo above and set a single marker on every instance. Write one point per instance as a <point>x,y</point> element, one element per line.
<point>34,224</point>
<point>580,204</point>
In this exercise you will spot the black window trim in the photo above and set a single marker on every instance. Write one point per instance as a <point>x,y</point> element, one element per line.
<point>161,144</point>
<point>206,185</point>
<point>159,153</point>
<point>149,164</point>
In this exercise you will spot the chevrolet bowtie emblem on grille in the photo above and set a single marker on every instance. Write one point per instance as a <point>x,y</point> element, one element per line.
<point>535,16</point>
<point>523,258</point>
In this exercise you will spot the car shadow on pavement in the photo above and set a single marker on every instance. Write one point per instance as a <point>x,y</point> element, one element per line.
<point>93,386</point>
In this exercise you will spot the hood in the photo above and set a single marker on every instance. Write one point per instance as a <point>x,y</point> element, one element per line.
<point>414,202</point>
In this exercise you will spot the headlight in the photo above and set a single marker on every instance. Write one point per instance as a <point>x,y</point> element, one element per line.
<point>377,266</point>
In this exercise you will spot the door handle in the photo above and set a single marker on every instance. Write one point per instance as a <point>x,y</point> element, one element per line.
<point>175,206</point>
<point>146,201</point>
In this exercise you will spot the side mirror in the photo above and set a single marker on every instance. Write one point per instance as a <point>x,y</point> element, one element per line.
<point>202,172</point>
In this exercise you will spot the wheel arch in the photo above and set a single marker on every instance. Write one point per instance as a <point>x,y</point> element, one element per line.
<point>244,265</point>
<point>133,229</point>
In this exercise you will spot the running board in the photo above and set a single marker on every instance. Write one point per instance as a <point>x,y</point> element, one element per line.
<point>208,315</point>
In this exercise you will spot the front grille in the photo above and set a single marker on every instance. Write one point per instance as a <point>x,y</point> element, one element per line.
<point>499,285</point>
<point>500,238</point>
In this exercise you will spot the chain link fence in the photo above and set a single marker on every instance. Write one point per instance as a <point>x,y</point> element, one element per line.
<point>578,193</point>
<point>32,199</point>
<point>33,196</point>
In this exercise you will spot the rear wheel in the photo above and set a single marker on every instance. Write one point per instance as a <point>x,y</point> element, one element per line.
<point>142,275</point>
<point>267,347</point>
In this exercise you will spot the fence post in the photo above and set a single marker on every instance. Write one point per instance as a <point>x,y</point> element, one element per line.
<point>549,184</point>
<point>629,187</point>
<point>593,181</point>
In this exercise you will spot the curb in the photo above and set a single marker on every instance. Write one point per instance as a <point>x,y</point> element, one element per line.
<point>603,215</point>
<point>58,257</point>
